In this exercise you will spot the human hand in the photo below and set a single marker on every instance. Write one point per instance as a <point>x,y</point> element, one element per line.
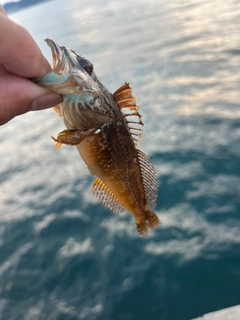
<point>20,60</point>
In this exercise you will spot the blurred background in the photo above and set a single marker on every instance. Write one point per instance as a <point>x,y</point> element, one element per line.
<point>63,256</point>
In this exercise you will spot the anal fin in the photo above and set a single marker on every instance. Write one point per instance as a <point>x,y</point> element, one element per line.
<point>106,197</point>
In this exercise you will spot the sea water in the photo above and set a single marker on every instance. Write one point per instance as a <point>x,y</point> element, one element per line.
<point>63,256</point>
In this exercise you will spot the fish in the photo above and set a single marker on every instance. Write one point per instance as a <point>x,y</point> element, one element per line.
<point>106,129</point>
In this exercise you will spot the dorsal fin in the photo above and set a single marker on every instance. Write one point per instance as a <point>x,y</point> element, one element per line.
<point>106,197</point>
<point>149,179</point>
<point>127,104</point>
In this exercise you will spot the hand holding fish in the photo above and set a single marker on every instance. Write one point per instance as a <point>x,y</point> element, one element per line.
<point>20,60</point>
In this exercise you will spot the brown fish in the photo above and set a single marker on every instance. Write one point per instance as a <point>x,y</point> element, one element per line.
<point>106,129</point>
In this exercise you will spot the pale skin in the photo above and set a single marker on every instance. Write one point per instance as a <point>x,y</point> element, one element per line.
<point>21,60</point>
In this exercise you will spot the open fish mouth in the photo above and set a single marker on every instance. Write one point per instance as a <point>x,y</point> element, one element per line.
<point>71,73</point>
<point>65,60</point>
<point>59,61</point>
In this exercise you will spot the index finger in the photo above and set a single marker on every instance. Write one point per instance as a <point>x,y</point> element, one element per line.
<point>19,52</point>
<point>2,10</point>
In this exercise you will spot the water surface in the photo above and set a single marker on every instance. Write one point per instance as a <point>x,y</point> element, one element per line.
<point>63,256</point>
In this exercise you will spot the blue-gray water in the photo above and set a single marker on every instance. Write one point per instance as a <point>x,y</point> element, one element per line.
<point>62,255</point>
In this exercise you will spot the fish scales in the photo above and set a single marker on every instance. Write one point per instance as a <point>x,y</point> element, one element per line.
<point>112,158</point>
<point>106,129</point>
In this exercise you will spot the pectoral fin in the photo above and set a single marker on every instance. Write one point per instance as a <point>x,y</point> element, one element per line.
<point>72,137</point>
<point>57,109</point>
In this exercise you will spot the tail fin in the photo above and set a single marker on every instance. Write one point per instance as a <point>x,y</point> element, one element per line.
<point>150,221</point>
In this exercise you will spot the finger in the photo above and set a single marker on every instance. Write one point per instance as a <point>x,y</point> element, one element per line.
<point>19,95</point>
<point>3,69</point>
<point>2,10</point>
<point>19,52</point>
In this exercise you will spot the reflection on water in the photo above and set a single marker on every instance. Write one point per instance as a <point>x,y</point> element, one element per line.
<point>63,256</point>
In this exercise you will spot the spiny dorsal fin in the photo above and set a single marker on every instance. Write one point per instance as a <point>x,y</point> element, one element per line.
<point>106,197</point>
<point>149,180</point>
<point>127,104</point>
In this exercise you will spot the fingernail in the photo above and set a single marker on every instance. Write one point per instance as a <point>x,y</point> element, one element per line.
<point>47,101</point>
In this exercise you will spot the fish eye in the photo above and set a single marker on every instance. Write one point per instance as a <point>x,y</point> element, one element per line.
<point>87,65</point>
<point>89,68</point>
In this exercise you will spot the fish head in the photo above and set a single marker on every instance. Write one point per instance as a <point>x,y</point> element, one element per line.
<point>84,97</point>
<point>67,60</point>
<point>71,73</point>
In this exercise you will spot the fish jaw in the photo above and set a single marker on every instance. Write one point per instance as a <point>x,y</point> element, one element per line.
<point>67,84</point>
<point>59,63</point>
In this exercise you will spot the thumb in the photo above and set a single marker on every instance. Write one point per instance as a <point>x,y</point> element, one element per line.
<point>19,95</point>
